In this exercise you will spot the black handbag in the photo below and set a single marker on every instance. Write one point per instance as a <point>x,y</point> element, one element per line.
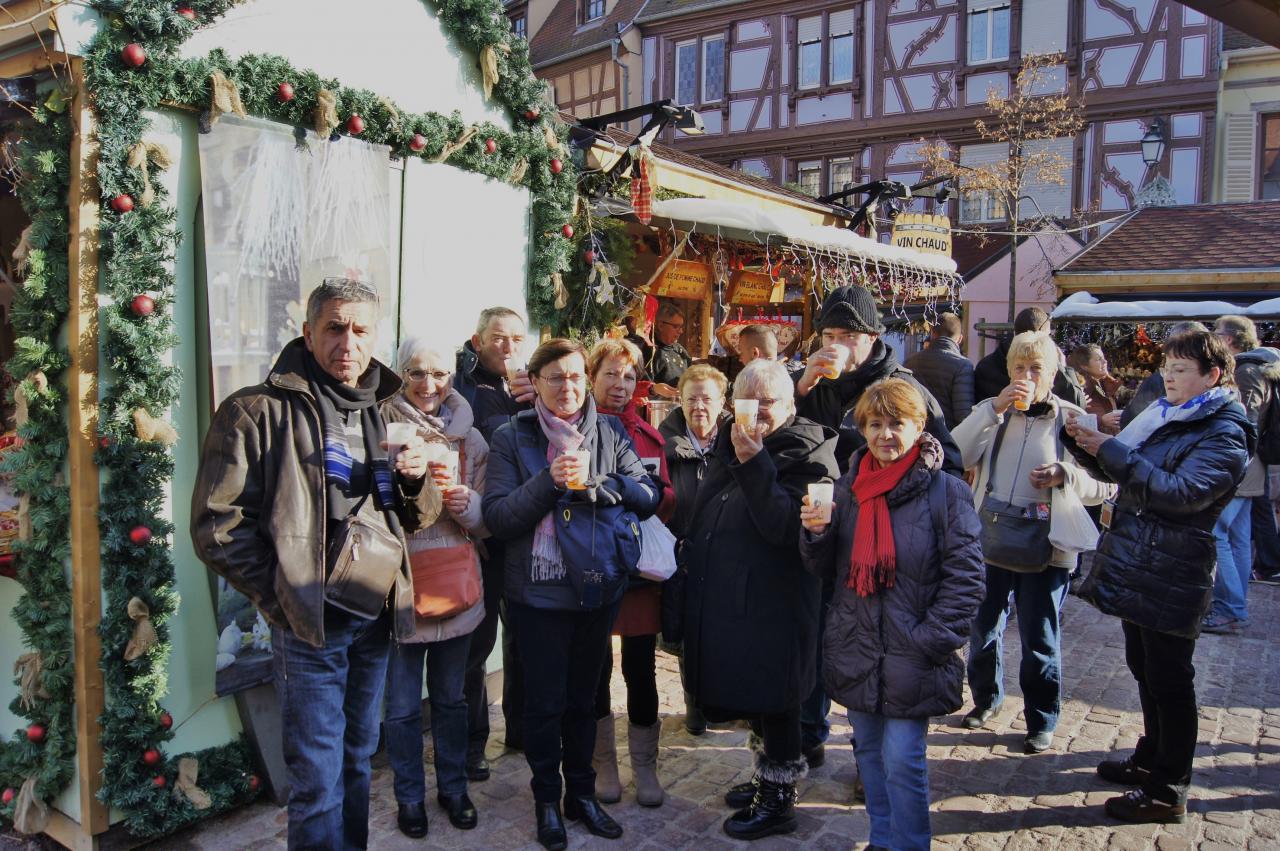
<point>1014,537</point>
<point>600,543</point>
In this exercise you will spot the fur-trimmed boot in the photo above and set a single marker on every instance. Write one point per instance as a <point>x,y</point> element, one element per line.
<point>740,796</point>
<point>605,761</point>
<point>772,810</point>
<point>644,763</point>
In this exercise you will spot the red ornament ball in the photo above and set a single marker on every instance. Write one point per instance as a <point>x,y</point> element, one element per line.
<point>254,783</point>
<point>140,535</point>
<point>104,442</point>
<point>35,733</point>
<point>589,256</point>
<point>284,92</point>
<point>142,305</point>
<point>187,12</point>
<point>166,720</point>
<point>133,55</point>
<point>531,115</point>
<point>567,230</point>
<point>7,796</point>
<point>490,145</point>
<point>556,166</point>
<point>418,143</point>
<point>158,781</point>
<point>355,125</point>
<point>151,756</point>
<point>122,203</point>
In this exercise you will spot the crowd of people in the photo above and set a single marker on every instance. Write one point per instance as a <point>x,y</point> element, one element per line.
<point>841,533</point>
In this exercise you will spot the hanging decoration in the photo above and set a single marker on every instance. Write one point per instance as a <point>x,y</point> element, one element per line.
<point>224,98</point>
<point>144,153</point>
<point>324,118</point>
<point>643,182</point>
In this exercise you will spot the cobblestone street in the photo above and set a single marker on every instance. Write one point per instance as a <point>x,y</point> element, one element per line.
<point>986,793</point>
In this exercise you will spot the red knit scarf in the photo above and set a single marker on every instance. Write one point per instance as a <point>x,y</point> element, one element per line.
<point>874,558</point>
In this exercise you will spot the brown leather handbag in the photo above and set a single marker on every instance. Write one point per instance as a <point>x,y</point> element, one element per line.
<point>446,580</point>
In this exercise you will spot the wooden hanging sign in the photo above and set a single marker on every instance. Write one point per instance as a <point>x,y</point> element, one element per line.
<point>923,232</point>
<point>750,288</point>
<point>684,279</point>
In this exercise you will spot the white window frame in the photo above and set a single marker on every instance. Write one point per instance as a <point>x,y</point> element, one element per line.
<point>987,9</point>
<point>586,10</point>
<point>702,69</point>
<point>520,27</point>
<point>830,47</point>
<point>689,45</point>
<point>814,166</point>
<point>832,186</point>
<point>822,53</point>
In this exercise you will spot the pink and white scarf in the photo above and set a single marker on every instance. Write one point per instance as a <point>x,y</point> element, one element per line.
<point>562,437</point>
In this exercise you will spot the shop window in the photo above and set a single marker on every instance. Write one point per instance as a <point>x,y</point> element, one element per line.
<point>713,69</point>
<point>687,73</point>
<point>809,177</point>
<point>1269,176</point>
<point>592,10</point>
<point>520,27</point>
<point>988,31</point>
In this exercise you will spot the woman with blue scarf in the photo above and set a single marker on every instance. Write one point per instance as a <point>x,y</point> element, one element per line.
<point>1177,464</point>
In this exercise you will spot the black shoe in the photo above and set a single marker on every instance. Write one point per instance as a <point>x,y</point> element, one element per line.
<point>551,827</point>
<point>977,718</point>
<point>513,741</point>
<point>1037,742</point>
<point>772,811</point>
<point>739,797</point>
<point>1123,771</point>
<point>412,820</point>
<point>478,769</point>
<point>815,756</point>
<point>694,721</point>
<point>1139,807</point>
<point>593,816</point>
<point>462,813</point>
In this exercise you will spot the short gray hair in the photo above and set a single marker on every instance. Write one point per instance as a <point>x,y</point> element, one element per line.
<point>1243,333</point>
<point>411,347</point>
<point>764,378</point>
<point>340,289</point>
<point>491,313</point>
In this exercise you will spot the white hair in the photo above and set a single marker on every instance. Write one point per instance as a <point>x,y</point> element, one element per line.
<point>412,347</point>
<point>766,378</point>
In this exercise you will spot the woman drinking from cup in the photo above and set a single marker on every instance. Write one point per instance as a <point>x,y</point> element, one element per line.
<point>613,366</point>
<point>903,601</point>
<point>428,406</point>
<point>537,459</point>
<point>751,610</point>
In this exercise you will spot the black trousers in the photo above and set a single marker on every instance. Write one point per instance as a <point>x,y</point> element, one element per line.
<point>781,735</point>
<point>639,669</point>
<point>482,641</point>
<point>562,653</point>
<point>1266,540</point>
<point>1161,663</point>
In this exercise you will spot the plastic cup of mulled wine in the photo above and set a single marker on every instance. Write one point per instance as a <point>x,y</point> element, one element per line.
<point>821,496</point>
<point>1023,403</point>
<point>834,370</point>
<point>398,434</point>
<point>448,477</point>
<point>745,412</point>
<point>514,368</point>
<point>578,480</point>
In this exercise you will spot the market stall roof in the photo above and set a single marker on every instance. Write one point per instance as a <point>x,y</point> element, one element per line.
<point>1185,248</point>
<point>1083,307</point>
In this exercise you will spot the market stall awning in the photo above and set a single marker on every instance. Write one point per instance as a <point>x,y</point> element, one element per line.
<point>1083,307</point>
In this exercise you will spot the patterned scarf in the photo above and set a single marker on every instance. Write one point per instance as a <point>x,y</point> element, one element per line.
<point>875,558</point>
<point>562,437</point>
<point>1161,413</point>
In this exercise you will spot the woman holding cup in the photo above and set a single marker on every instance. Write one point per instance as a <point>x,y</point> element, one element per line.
<point>429,407</point>
<point>751,610</point>
<point>537,458</point>
<point>903,601</point>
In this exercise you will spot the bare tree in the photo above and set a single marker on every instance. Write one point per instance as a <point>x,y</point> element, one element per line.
<point>1037,108</point>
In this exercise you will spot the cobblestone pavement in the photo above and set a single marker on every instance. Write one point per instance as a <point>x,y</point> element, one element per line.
<point>986,794</point>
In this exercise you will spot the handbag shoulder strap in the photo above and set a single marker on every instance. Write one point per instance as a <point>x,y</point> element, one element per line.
<point>938,506</point>
<point>995,451</point>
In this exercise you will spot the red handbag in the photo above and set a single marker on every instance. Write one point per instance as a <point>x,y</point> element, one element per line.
<point>446,580</point>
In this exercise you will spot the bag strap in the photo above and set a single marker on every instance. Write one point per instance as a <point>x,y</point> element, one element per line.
<point>938,505</point>
<point>995,451</point>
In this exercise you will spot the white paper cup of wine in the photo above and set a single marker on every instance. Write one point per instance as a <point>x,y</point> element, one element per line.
<point>579,480</point>
<point>449,477</point>
<point>842,354</point>
<point>398,434</point>
<point>821,496</point>
<point>745,412</point>
<point>1089,421</point>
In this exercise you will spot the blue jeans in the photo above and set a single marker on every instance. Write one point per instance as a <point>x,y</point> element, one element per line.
<point>891,760</point>
<point>1235,559</point>
<point>446,675</point>
<point>1039,598</point>
<point>330,702</point>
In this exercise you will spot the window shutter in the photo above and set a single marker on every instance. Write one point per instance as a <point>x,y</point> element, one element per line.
<point>841,23</point>
<point>809,29</point>
<point>1240,166</point>
<point>1053,200</point>
<point>1044,26</point>
<point>973,156</point>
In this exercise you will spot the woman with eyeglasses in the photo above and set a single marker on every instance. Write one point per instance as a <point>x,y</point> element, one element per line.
<point>751,609</point>
<point>1178,464</point>
<point>533,465</point>
<point>444,419</point>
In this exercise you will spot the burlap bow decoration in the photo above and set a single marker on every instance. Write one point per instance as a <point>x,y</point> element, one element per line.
<point>224,98</point>
<point>325,117</point>
<point>518,171</point>
<point>22,250</point>
<point>451,148</point>
<point>489,66</point>
<point>149,428</point>
<point>552,140</point>
<point>29,670</point>
<point>144,633</point>
<point>22,398</point>
<point>143,154</point>
<point>562,292</point>
<point>30,814</point>
<point>188,770</point>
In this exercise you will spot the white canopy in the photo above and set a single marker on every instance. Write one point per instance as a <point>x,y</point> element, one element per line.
<point>1083,306</point>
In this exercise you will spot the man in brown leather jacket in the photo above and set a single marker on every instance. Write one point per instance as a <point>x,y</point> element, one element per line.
<point>284,465</point>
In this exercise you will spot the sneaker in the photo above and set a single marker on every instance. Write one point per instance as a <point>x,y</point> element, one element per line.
<point>1265,577</point>
<point>1139,807</point>
<point>1126,772</point>
<point>1222,625</point>
<point>977,717</point>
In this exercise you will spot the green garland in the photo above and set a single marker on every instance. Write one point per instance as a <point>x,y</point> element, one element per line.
<point>44,611</point>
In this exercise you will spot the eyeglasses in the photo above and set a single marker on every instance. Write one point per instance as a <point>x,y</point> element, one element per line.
<point>422,374</point>
<point>767,403</point>
<point>679,326</point>
<point>705,401</point>
<point>558,381</point>
<point>1178,371</point>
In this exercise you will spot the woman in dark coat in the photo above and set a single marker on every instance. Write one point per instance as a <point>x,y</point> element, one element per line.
<point>1177,464</point>
<point>751,611</point>
<point>562,643</point>
<point>902,549</point>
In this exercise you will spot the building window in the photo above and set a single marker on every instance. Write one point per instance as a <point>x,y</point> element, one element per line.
<point>1269,177</point>
<point>988,32</point>
<point>591,10</point>
<point>831,54</point>
<point>519,27</point>
<point>809,177</point>
<point>713,69</point>
<point>981,207</point>
<point>700,71</point>
<point>687,73</point>
<point>809,35</point>
<point>841,41</point>
<point>842,173</point>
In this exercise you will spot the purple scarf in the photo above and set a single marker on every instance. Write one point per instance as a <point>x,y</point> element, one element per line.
<point>562,437</point>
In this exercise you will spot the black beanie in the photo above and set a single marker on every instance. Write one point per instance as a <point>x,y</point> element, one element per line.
<point>851,308</point>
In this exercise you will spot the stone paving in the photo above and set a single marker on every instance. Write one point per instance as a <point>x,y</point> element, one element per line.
<point>986,794</point>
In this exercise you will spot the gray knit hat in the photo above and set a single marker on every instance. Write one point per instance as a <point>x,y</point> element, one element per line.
<point>851,308</point>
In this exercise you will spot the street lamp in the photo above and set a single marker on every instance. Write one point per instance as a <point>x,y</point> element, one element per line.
<point>1158,192</point>
<point>1154,143</point>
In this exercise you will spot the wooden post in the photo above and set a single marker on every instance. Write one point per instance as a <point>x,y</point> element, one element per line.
<point>84,202</point>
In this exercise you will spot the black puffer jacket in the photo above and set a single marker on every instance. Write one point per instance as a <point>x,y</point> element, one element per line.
<point>686,466</point>
<point>1154,566</point>
<point>751,610</point>
<point>486,393</point>
<point>896,653</point>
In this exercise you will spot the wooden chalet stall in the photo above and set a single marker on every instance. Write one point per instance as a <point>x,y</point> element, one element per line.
<point>188,173</point>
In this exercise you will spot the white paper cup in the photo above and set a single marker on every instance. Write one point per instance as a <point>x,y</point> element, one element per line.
<point>514,368</point>
<point>398,434</point>
<point>843,354</point>
<point>745,412</point>
<point>448,478</point>
<point>578,481</point>
<point>822,496</point>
